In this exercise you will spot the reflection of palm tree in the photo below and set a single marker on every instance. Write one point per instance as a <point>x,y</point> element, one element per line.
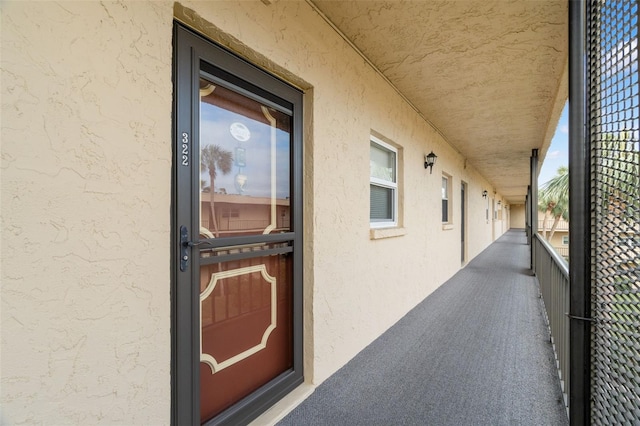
<point>214,158</point>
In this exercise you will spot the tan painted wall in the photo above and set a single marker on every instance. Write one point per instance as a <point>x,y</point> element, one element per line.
<point>86,138</point>
<point>499,218</point>
<point>86,172</point>
<point>556,240</point>
<point>518,218</point>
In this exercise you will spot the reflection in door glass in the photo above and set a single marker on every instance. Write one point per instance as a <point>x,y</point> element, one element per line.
<point>244,165</point>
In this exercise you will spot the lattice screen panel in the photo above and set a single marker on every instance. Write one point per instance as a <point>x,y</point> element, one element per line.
<point>613,117</point>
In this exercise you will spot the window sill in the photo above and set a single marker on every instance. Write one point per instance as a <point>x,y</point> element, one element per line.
<point>447,226</point>
<point>379,233</point>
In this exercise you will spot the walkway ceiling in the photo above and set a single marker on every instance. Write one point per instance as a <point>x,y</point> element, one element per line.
<point>490,76</point>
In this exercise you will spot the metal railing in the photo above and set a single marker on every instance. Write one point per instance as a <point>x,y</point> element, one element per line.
<point>562,225</point>
<point>562,251</point>
<point>552,272</point>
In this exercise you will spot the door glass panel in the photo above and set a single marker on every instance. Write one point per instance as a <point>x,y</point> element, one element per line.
<point>244,165</point>
<point>246,334</point>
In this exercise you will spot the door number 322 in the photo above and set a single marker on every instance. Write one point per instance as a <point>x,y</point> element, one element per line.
<point>185,149</point>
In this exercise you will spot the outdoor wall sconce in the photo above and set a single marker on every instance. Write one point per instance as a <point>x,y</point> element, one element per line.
<point>499,202</point>
<point>484,194</point>
<point>429,161</point>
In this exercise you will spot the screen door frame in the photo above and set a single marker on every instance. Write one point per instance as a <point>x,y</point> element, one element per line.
<point>190,52</point>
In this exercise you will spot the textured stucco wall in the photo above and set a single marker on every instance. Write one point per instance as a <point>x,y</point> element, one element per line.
<point>360,286</point>
<point>86,173</point>
<point>518,218</point>
<point>508,56</point>
<point>86,162</point>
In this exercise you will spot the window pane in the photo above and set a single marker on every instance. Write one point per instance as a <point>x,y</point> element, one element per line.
<point>383,163</point>
<point>445,210</point>
<point>381,203</point>
<point>445,184</point>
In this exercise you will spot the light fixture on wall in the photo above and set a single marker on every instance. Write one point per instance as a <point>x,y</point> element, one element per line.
<point>484,194</point>
<point>499,202</point>
<point>429,161</point>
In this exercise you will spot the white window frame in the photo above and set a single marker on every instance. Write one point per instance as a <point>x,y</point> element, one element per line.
<point>565,240</point>
<point>385,184</point>
<point>449,179</point>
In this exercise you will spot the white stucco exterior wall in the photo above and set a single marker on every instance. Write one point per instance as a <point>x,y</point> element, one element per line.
<point>86,183</point>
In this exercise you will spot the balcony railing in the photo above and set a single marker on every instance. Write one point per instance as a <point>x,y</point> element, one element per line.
<point>552,272</point>
<point>563,251</point>
<point>561,226</point>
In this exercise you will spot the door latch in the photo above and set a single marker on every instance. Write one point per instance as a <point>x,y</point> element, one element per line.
<point>184,248</point>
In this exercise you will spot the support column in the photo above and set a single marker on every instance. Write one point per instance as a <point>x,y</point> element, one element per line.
<point>527,202</point>
<point>533,201</point>
<point>579,222</point>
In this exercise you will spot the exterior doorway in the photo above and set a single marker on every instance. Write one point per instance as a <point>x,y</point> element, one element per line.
<point>237,236</point>
<point>493,219</point>
<point>463,222</point>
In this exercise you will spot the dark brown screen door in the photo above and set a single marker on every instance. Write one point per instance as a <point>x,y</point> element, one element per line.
<point>463,221</point>
<point>237,236</point>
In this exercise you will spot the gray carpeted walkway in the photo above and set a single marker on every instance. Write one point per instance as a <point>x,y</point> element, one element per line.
<point>475,352</point>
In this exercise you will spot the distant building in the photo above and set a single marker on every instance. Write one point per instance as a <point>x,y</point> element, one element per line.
<point>560,239</point>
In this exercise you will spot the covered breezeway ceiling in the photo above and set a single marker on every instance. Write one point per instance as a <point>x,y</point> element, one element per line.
<point>490,76</point>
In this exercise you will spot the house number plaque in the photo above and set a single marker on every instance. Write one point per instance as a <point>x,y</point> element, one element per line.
<point>185,148</point>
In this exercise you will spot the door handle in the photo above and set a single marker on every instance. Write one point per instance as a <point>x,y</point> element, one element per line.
<point>184,248</point>
<point>185,245</point>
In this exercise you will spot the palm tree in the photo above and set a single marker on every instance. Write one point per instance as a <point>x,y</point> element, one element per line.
<point>214,158</point>
<point>545,206</point>
<point>560,211</point>
<point>619,174</point>
<point>554,200</point>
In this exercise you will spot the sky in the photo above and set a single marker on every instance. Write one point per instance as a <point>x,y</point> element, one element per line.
<point>621,113</point>
<point>558,153</point>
